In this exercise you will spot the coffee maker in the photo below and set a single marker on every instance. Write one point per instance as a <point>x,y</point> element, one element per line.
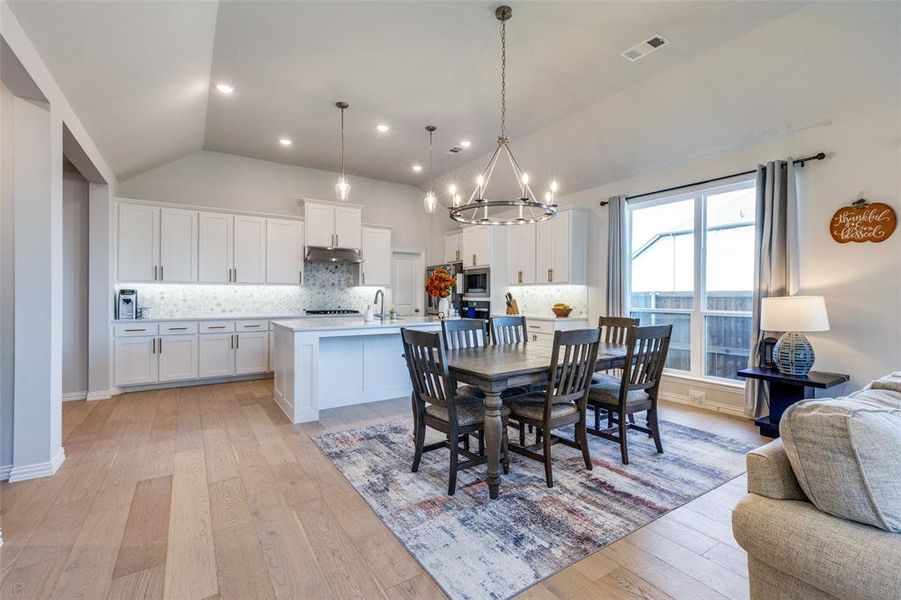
<point>127,304</point>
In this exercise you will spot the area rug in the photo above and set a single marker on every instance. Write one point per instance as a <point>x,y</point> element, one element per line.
<point>474,547</point>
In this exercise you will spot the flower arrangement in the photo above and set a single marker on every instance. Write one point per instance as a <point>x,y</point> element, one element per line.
<point>440,284</point>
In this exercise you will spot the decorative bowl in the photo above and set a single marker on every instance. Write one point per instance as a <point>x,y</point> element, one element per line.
<point>561,313</point>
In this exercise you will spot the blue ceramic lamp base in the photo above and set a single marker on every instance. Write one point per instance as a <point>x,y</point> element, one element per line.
<point>793,354</point>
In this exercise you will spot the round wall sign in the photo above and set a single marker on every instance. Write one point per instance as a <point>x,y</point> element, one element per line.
<point>863,222</point>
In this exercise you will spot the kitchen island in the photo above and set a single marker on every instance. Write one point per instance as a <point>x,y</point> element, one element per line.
<point>325,363</point>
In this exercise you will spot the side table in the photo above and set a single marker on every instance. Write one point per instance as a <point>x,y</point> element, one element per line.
<point>785,390</point>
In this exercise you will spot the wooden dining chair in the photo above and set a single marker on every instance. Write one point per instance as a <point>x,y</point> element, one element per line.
<point>437,405</point>
<point>637,390</point>
<point>563,402</point>
<point>510,329</point>
<point>464,333</point>
<point>613,331</point>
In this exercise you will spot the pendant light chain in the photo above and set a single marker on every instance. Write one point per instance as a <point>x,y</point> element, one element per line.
<point>504,79</point>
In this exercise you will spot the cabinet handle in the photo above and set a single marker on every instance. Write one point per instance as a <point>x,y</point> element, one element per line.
<point>134,330</point>
<point>520,277</point>
<point>235,270</point>
<point>161,273</point>
<point>237,341</point>
<point>216,327</point>
<point>231,341</point>
<point>363,275</point>
<point>161,346</point>
<point>300,276</point>
<point>154,272</point>
<point>336,240</point>
<point>550,275</point>
<point>176,328</point>
<point>473,260</point>
<point>153,345</point>
<point>249,326</point>
<point>458,254</point>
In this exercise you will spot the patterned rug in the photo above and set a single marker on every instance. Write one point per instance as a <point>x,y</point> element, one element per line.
<point>477,548</point>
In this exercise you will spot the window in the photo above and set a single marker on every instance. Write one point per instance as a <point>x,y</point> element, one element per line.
<point>691,264</point>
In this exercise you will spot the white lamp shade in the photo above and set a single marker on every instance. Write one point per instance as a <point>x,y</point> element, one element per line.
<point>794,313</point>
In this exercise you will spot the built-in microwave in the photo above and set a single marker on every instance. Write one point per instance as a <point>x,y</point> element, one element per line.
<point>477,283</point>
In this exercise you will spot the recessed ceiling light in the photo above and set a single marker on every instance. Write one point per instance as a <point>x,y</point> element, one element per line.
<point>466,143</point>
<point>285,141</point>
<point>417,168</point>
<point>382,128</point>
<point>225,88</point>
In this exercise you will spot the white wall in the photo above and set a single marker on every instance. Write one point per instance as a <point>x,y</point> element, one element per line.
<point>7,280</point>
<point>75,285</point>
<point>227,181</point>
<point>861,282</point>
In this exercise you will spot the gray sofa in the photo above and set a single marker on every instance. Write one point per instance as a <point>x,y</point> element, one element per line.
<point>797,552</point>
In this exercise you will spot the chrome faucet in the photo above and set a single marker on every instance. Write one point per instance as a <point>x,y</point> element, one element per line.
<point>378,293</point>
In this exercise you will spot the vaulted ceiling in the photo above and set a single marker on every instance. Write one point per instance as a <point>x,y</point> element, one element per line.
<point>141,76</point>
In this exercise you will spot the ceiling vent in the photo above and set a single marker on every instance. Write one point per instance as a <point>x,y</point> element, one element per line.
<point>644,48</point>
<point>455,150</point>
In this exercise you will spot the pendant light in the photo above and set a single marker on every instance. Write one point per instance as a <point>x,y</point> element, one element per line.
<point>342,188</point>
<point>513,211</point>
<point>430,202</point>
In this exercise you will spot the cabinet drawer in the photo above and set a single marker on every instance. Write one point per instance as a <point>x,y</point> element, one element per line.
<point>133,329</point>
<point>540,326</point>
<point>541,338</point>
<point>178,328</point>
<point>217,326</point>
<point>252,325</point>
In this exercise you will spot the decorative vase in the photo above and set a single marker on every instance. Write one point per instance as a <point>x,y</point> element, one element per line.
<point>793,354</point>
<point>444,308</point>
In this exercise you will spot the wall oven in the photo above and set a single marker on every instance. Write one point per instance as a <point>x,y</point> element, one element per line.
<point>477,283</point>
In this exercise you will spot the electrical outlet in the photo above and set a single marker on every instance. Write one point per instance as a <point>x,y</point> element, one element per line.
<point>697,396</point>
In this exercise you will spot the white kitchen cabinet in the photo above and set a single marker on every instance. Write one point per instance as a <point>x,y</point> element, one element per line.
<point>476,246</point>
<point>178,245</point>
<point>250,249</point>
<point>138,243</point>
<point>348,227</point>
<point>177,356</point>
<point>284,251</point>
<point>329,225</point>
<point>521,240</point>
<point>561,249</point>
<point>251,352</point>
<point>453,251</point>
<point>376,247</point>
<point>215,355</point>
<point>216,249</point>
<point>542,330</point>
<point>136,360</point>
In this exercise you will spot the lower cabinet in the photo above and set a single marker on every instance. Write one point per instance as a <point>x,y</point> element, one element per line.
<point>251,352</point>
<point>136,360</point>
<point>177,355</point>
<point>216,353</point>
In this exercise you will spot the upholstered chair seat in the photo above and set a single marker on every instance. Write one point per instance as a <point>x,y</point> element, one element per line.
<point>604,390</point>
<point>470,411</point>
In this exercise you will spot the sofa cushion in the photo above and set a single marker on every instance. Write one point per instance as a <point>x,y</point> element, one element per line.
<point>845,452</point>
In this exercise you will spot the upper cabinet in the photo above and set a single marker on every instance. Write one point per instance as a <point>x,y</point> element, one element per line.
<point>333,226</point>
<point>521,247</point>
<point>561,248</point>
<point>156,244</point>
<point>232,248</point>
<point>284,251</point>
<point>453,250</point>
<point>376,247</point>
<point>476,246</point>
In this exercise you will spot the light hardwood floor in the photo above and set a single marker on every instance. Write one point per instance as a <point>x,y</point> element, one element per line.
<point>211,492</point>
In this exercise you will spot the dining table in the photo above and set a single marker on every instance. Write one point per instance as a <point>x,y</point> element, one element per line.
<point>494,369</point>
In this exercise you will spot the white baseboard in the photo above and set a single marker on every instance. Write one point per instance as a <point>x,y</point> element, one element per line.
<point>4,472</point>
<point>189,383</point>
<point>45,469</point>
<point>103,395</point>
<point>73,396</point>
<point>713,406</point>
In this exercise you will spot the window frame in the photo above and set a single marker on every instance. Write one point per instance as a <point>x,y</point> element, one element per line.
<point>699,312</point>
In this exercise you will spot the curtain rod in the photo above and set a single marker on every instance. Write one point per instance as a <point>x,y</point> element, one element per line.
<point>800,161</point>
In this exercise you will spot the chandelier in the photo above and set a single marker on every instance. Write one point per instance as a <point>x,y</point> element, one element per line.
<point>479,210</point>
<point>342,188</point>
<point>430,201</point>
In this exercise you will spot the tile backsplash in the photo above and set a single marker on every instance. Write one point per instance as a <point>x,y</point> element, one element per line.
<point>325,286</point>
<point>536,300</point>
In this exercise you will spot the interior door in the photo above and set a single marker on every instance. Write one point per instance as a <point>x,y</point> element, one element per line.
<point>250,249</point>
<point>251,352</point>
<point>319,222</point>
<point>348,227</point>
<point>284,248</point>
<point>178,245</point>
<point>138,243</point>
<point>216,250</point>
<point>408,283</point>
<point>215,356</point>
<point>178,357</point>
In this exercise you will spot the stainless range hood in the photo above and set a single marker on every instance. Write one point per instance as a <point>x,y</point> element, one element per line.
<point>333,255</point>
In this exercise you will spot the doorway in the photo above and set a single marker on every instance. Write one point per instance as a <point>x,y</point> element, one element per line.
<point>408,281</point>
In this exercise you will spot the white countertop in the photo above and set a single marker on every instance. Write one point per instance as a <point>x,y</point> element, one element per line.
<point>549,317</point>
<point>231,318</point>
<point>330,324</point>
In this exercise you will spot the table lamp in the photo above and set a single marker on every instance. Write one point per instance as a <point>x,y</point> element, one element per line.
<point>793,315</point>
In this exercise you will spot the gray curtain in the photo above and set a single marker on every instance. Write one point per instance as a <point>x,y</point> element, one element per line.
<point>616,249</point>
<point>775,258</point>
